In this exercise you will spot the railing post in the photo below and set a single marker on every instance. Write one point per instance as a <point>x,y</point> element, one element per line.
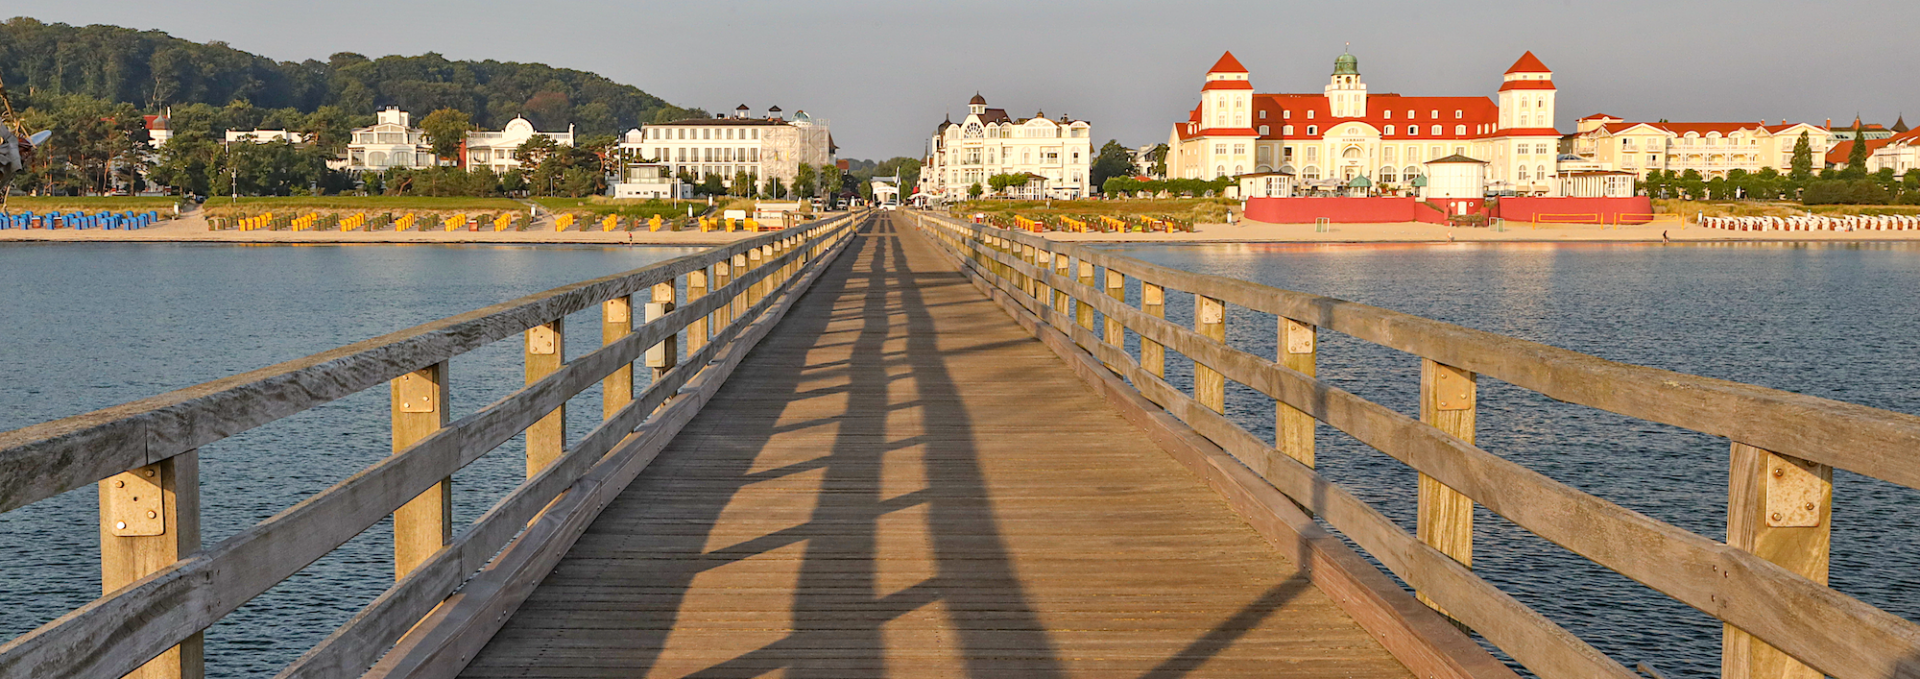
<point>1293,428</point>
<point>1083,310</point>
<point>739,301</point>
<point>722,274</point>
<point>616,321</point>
<point>150,518</point>
<point>1209,319</point>
<point>663,356</point>
<point>546,439</point>
<point>1448,402</point>
<point>1153,356</point>
<point>1780,508</point>
<point>1116,289</point>
<point>1037,258</point>
<point>423,525</point>
<point>696,330</point>
<point>1062,269</point>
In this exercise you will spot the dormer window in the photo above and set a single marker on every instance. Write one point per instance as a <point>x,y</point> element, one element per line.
<point>1312,129</point>
<point>1263,115</point>
<point>1458,114</point>
<point>1389,130</point>
<point>1389,115</point>
<point>1309,114</point>
<point>1435,114</point>
<point>1263,130</point>
<point>1286,114</point>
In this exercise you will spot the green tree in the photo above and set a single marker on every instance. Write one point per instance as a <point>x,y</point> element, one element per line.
<point>1856,156</point>
<point>803,181</point>
<point>1802,163</point>
<point>446,131</point>
<point>1159,156</point>
<point>1113,160</point>
<point>975,190</point>
<point>832,180</point>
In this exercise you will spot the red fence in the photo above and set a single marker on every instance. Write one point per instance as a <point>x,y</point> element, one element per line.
<point>1635,210</point>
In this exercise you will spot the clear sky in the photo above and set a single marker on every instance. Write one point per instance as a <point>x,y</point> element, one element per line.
<point>885,73</point>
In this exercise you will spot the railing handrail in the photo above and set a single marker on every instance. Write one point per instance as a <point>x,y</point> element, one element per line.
<point>42,460</point>
<point>120,631</point>
<point>1776,604</point>
<point>1862,439</point>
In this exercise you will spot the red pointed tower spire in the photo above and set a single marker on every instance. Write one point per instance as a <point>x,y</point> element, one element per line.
<point>1227,64</point>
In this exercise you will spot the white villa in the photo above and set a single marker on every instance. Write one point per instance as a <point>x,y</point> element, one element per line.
<point>761,146</point>
<point>1055,155</point>
<point>393,141</point>
<point>495,149</point>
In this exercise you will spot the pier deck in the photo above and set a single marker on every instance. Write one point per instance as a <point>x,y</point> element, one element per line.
<point>906,483</point>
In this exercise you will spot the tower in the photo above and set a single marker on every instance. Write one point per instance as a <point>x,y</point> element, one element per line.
<point>977,105</point>
<point>1526,95</point>
<point>1226,100</point>
<point>1346,94</point>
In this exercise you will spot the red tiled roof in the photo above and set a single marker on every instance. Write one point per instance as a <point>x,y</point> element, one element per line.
<point>1227,64</point>
<point>1475,111</point>
<point>1838,154</point>
<point>1226,85</point>
<point>1527,85</point>
<point>1600,115</point>
<point>1529,64</point>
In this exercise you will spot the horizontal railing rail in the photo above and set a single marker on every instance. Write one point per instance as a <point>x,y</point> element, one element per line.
<point>1766,583</point>
<point>164,589</point>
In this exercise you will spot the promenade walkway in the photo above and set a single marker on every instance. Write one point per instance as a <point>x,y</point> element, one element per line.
<point>900,481</point>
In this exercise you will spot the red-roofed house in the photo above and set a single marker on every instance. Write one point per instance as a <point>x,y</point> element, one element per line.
<point>1900,152</point>
<point>1712,149</point>
<point>1327,139</point>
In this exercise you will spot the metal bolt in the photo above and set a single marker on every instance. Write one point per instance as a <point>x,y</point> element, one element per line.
<point>122,525</point>
<point>1809,506</point>
<point>1776,516</point>
<point>119,484</point>
<point>149,472</point>
<point>1779,472</point>
<point>152,514</point>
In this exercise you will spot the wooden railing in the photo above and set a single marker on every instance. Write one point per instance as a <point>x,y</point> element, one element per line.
<point>1766,584</point>
<point>163,589</point>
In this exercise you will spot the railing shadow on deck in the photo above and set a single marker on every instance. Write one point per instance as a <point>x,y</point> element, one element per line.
<point>830,608</point>
<point>1766,583</point>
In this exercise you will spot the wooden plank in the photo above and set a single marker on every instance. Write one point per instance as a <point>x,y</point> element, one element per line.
<point>663,356</point>
<point>424,524</point>
<point>1756,522</point>
<point>1835,633</point>
<point>125,559</point>
<point>49,458</point>
<point>697,331</point>
<point>1449,400</point>
<point>1153,302</point>
<point>1084,311</point>
<point>1210,321</point>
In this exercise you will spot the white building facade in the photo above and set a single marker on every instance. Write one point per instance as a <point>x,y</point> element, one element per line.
<point>1056,155</point>
<point>392,141</point>
<point>762,147</point>
<point>494,150</point>
<point>1712,149</point>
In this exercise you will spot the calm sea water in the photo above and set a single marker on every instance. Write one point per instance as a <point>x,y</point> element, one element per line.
<point>1838,321</point>
<point>89,326</point>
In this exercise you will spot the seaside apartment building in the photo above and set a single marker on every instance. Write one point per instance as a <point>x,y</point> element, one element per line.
<point>1328,140</point>
<point>1055,154</point>
<point>1712,149</point>
<point>761,146</point>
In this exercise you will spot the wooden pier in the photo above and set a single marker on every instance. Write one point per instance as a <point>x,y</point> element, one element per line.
<point>895,444</point>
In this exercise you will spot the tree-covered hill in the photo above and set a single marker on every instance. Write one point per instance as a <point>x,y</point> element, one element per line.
<point>41,62</point>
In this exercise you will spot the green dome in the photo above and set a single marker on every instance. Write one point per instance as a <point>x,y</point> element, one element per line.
<point>1347,64</point>
<point>1360,182</point>
<point>1420,181</point>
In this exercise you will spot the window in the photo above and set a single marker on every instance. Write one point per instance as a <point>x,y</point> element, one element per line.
<point>1413,130</point>
<point>1540,149</point>
<point>1313,153</point>
<point>1311,173</point>
<point>1309,115</point>
<point>1458,114</point>
<point>1286,130</point>
<point>1263,115</point>
<point>1523,173</point>
<point>1386,155</point>
<point>1438,130</point>
<point>1409,114</point>
<point>1541,172</point>
<point>1435,114</point>
<point>1219,170</point>
<point>1389,129</point>
<point>1313,129</point>
<point>1386,175</point>
<point>1460,130</point>
<point>1263,129</point>
<point>1219,149</point>
<point>1239,149</point>
<point>1389,114</point>
<point>1286,154</point>
<point>1286,114</point>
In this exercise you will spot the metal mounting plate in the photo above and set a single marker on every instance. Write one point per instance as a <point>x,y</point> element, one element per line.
<point>1794,492</point>
<point>138,508</point>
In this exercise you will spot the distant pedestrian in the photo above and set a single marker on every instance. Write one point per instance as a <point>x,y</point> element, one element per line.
<point>1664,238</point>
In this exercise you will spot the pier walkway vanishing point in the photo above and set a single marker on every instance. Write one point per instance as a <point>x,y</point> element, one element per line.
<point>848,462</point>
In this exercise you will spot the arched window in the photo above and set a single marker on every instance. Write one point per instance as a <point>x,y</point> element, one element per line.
<point>1438,130</point>
<point>1389,130</point>
<point>1523,173</point>
<point>1413,130</point>
<point>377,159</point>
<point>1541,172</point>
<point>1239,170</point>
<point>1311,173</point>
<point>1410,173</point>
<point>1220,171</point>
<point>1386,175</point>
<point>1352,152</point>
<point>1313,130</point>
<point>1460,129</point>
<point>1263,130</point>
<point>1286,129</point>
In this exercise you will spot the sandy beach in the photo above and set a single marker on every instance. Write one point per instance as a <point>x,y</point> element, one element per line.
<point>192,228</point>
<point>1415,232</point>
